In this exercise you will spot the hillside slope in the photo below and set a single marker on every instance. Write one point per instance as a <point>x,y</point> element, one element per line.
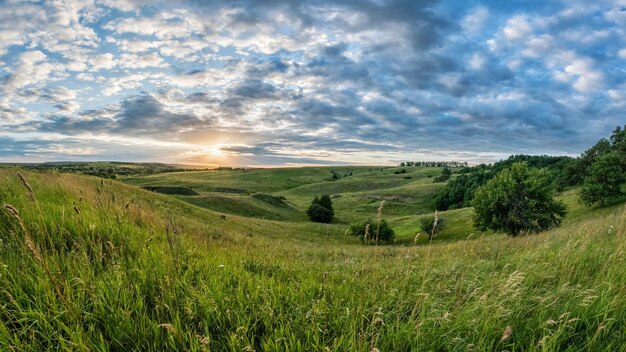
<point>357,193</point>
<point>87,264</point>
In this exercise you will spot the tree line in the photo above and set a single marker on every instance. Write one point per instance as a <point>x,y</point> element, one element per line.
<point>434,163</point>
<point>599,170</point>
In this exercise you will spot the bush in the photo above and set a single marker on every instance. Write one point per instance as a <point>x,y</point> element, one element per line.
<point>428,226</point>
<point>369,231</point>
<point>517,200</point>
<point>321,209</point>
<point>271,199</point>
<point>445,175</point>
<point>318,213</point>
<point>441,178</point>
<point>174,190</point>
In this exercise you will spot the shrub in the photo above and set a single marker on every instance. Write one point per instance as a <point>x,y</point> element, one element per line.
<point>174,190</point>
<point>271,199</point>
<point>369,231</point>
<point>441,178</point>
<point>445,175</point>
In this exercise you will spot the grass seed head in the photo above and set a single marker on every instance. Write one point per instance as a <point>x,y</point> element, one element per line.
<point>31,193</point>
<point>506,334</point>
<point>168,327</point>
<point>417,237</point>
<point>11,210</point>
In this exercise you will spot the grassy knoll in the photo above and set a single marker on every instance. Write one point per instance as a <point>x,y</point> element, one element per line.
<point>87,264</point>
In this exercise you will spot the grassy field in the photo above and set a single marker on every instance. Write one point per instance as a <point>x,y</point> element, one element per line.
<point>96,265</point>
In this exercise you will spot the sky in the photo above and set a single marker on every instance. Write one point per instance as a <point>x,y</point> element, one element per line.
<point>279,82</point>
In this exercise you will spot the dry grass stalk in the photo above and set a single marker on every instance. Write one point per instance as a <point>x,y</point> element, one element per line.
<point>379,216</point>
<point>31,194</point>
<point>366,237</point>
<point>417,237</point>
<point>432,233</point>
<point>32,248</point>
<point>11,210</point>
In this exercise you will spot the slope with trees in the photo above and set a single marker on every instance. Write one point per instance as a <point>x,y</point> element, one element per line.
<point>562,171</point>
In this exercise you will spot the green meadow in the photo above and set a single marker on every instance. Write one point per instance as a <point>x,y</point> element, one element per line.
<point>91,264</point>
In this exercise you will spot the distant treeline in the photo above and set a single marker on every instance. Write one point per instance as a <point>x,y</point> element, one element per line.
<point>564,171</point>
<point>107,170</point>
<point>434,163</point>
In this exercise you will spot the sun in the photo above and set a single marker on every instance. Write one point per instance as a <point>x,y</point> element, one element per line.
<point>215,151</point>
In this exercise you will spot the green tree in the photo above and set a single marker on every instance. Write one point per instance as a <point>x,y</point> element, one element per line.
<point>318,213</point>
<point>604,180</point>
<point>618,141</point>
<point>580,168</point>
<point>321,209</point>
<point>327,203</point>
<point>428,225</point>
<point>517,200</point>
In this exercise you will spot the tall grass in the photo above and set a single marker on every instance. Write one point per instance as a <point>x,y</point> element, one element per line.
<point>131,270</point>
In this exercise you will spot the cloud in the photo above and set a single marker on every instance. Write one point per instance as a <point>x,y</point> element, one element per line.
<point>31,68</point>
<point>17,20</point>
<point>476,19</point>
<point>139,115</point>
<point>141,61</point>
<point>323,81</point>
<point>102,62</point>
<point>164,25</point>
<point>58,94</point>
<point>584,75</point>
<point>117,84</point>
<point>517,27</point>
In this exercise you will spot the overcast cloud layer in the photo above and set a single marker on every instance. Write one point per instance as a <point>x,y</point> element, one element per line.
<point>308,82</point>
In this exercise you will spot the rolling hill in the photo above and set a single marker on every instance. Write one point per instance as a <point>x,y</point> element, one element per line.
<point>93,264</point>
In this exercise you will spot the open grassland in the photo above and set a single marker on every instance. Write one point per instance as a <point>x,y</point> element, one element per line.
<point>96,265</point>
<point>356,197</point>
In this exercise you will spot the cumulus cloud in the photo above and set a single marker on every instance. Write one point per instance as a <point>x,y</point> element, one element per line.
<point>31,68</point>
<point>517,27</point>
<point>102,62</point>
<point>141,61</point>
<point>476,19</point>
<point>164,25</point>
